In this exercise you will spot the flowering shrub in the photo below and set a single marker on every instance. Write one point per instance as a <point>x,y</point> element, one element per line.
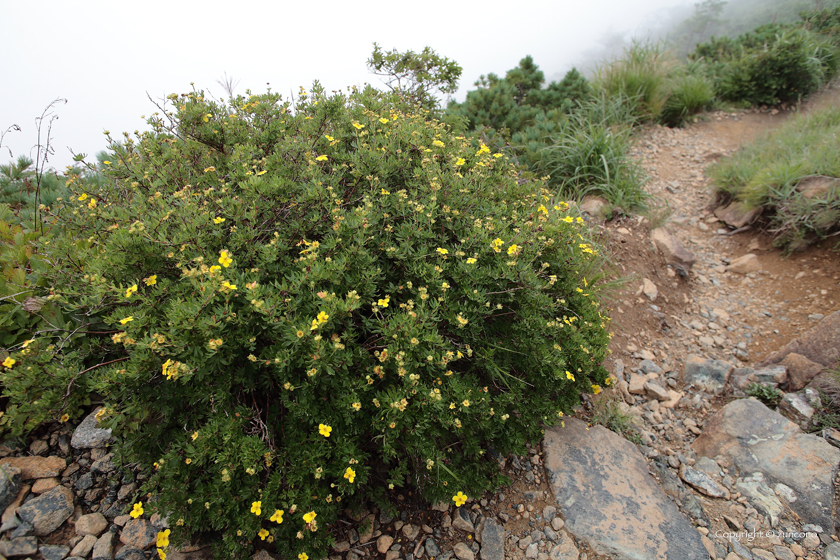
<point>301,306</point>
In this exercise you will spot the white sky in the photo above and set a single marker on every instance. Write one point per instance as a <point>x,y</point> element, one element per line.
<point>104,57</point>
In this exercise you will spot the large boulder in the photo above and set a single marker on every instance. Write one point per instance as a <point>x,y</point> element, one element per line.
<point>759,440</point>
<point>602,485</point>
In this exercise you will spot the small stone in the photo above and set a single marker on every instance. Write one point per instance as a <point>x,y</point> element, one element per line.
<point>557,524</point>
<point>831,552</point>
<point>21,546</point>
<point>432,548</point>
<point>342,546</point>
<point>411,531</point>
<point>10,482</point>
<point>44,485</point>
<point>104,547</point>
<point>440,506</point>
<point>383,543</point>
<point>87,435</point>
<point>36,467</point>
<point>492,540</point>
<point>711,375</point>
<point>463,552</point>
<point>703,482</point>
<point>392,555</point>
<point>131,553</point>
<point>797,408</point>
<point>366,528</point>
<point>745,264</point>
<point>657,391</point>
<point>461,520</point>
<point>549,512</point>
<point>48,511</point>
<point>54,552</point>
<point>811,540</point>
<point>783,553</point>
<point>650,289</point>
<point>532,551</point>
<point>138,533</point>
<point>91,524</point>
<point>761,554</point>
<point>83,548</point>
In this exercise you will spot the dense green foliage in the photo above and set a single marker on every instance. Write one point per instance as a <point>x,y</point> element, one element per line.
<point>292,308</point>
<point>769,173</point>
<point>22,190</point>
<point>775,63</point>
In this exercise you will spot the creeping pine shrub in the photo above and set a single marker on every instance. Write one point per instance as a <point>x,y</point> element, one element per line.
<point>302,307</point>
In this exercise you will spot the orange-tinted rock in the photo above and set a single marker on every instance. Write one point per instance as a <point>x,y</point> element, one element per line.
<point>36,467</point>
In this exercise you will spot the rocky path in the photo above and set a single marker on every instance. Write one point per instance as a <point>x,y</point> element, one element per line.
<point>711,475</point>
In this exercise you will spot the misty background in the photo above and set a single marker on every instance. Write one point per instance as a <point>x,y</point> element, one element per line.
<point>107,60</point>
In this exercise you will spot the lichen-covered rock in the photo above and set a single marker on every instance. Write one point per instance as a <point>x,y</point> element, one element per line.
<point>48,511</point>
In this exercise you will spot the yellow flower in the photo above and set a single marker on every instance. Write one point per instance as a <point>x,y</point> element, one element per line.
<point>166,365</point>
<point>137,511</point>
<point>542,209</point>
<point>497,155</point>
<point>321,158</point>
<point>224,258</point>
<point>324,430</point>
<point>303,556</point>
<point>9,361</point>
<point>218,220</point>
<point>569,376</point>
<point>483,150</point>
<point>452,406</point>
<point>194,435</point>
<point>309,517</point>
<point>438,143</point>
<point>385,192</point>
<point>83,197</point>
<point>215,268</point>
<point>151,280</point>
<point>460,161</point>
<point>161,554</point>
<point>26,343</point>
<point>256,508</point>
<point>383,120</point>
<point>127,320</point>
<point>568,219</point>
<point>358,126</point>
<point>263,172</point>
<point>208,169</point>
<point>131,291</point>
<point>299,334</point>
<point>459,499</point>
<point>188,461</point>
<point>596,389</point>
<point>277,516</point>
<point>384,302</point>
<point>65,417</point>
<point>513,250</point>
<point>163,539</point>
<point>262,534</point>
<point>206,117</point>
<point>356,406</point>
<point>442,251</point>
<point>496,244</point>
<point>350,475</point>
<point>228,286</point>
<point>92,203</point>
<point>466,403</point>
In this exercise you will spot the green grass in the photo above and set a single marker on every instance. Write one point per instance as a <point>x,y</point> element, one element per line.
<point>589,155</point>
<point>640,76</point>
<point>767,172</point>
<point>607,411</point>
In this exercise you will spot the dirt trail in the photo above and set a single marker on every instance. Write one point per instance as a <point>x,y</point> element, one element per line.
<point>765,309</point>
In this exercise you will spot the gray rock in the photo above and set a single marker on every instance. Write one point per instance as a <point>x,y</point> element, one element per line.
<point>761,496</point>
<point>461,520</point>
<point>650,289</point>
<point>432,548</point>
<point>549,513</point>
<point>601,482</point>
<point>740,549</point>
<point>797,408</point>
<point>800,370</point>
<point>711,375</point>
<point>130,553</point>
<point>674,251</point>
<point>757,439</point>
<point>85,481</point>
<point>84,546</point>
<point>532,551</point>
<point>104,547</point>
<point>550,534</point>
<point>771,374</point>
<point>492,540</point>
<point>708,466</point>
<point>737,214</point>
<point>821,344</point>
<point>647,366</point>
<point>23,530</point>
<point>54,552</point>
<point>104,465</point>
<point>657,391</point>
<point>411,531</point>
<point>463,552</point>
<point>48,511</point>
<point>22,546</point>
<point>703,482</point>
<point>832,551</point>
<point>91,524</point>
<point>88,436</point>
<point>9,485</point>
<point>10,524</point>
<point>138,533</point>
<point>565,550</point>
<point>784,553</point>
